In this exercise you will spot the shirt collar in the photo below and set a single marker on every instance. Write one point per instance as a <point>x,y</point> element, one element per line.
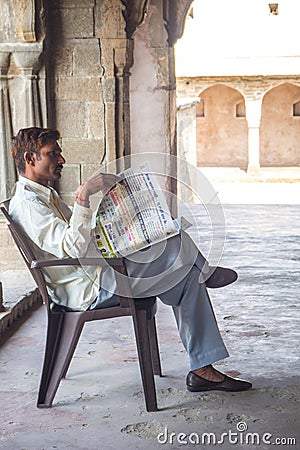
<point>44,191</point>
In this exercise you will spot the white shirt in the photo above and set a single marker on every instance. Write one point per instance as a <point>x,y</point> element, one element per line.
<point>73,286</point>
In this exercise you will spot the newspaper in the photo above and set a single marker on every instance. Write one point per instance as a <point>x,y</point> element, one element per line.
<point>133,214</point>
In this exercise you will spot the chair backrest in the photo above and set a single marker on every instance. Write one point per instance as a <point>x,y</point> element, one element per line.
<point>26,251</point>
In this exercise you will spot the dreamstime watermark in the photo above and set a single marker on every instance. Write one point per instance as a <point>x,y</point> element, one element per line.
<point>240,436</point>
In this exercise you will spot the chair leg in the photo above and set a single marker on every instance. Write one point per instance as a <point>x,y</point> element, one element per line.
<point>54,326</point>
<point>154,347</point>
<point>72,350</point>
<point>141,328</point>
<point>62,337</point>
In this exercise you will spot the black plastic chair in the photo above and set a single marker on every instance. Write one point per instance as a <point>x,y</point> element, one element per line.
<point>65,327</point>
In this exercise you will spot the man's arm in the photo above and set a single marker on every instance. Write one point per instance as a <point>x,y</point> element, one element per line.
<point>99,182</point>
<point>49,231</point>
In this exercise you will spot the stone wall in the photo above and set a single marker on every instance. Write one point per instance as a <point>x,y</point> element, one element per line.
<point>79,66</point>
<point>280,129</point>
<point>221,135</point>
<point>10,257</point>
<point>86,52</point>
<point>263,132</point>
<point>64,66</point>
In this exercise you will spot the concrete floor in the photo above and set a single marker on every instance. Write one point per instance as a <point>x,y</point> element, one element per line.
<point>100,404</point>
<point>273,185</point>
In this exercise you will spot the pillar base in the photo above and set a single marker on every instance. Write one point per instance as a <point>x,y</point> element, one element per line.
<point>253,171</point>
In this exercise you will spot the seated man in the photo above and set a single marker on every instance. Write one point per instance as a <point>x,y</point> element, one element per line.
<point>174,275</point>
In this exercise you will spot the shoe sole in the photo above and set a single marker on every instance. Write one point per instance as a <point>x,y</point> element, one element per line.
<point>192,389</point>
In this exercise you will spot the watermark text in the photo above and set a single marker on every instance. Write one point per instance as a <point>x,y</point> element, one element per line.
<point>239,436</point>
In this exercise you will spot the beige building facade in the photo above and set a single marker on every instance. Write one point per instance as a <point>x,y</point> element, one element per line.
<point>243,67</point>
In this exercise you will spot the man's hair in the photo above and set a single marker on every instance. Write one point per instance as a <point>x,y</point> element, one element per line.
<point>31,140</point>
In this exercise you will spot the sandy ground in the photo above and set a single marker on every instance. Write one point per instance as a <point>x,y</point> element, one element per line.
<point>100,405</point>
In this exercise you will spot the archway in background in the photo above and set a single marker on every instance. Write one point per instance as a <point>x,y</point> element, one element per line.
<point>221,128</point>
<point>280,126</point>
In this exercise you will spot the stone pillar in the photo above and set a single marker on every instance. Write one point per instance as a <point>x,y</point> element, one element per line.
<point>27,61</point>
<point>253,117</point>
<point>186,149</point>
<point>153,95</point>
<point>7,168</point>
<point>153,86</point>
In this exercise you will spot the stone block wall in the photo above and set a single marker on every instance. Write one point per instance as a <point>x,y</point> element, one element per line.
<point>81,66</point>
<point>10,257</point>
<point>86,46</point>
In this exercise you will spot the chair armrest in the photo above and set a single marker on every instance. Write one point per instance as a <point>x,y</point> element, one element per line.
<point>114,262</point>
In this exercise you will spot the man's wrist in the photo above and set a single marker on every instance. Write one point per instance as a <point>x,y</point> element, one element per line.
<point>82,201</point>
<point>82,196</point>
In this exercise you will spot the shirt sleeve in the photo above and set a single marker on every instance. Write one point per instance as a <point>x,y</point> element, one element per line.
<point>51,233</point>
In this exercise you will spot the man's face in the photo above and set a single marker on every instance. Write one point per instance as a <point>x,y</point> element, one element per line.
<point>48,165</point>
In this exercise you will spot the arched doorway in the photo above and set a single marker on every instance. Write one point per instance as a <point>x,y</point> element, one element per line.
<point>221,128</point>
<point>280,126</point>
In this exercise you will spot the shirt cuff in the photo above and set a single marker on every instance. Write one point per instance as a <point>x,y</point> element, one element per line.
<point>82,211</point>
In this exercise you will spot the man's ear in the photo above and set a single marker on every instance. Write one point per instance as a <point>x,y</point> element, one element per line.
<point>29,158</point>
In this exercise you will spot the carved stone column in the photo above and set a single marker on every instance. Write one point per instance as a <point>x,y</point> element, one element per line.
<point>122,64</point>
<point>174,15</point>
<point>119,64</point>
<point>134,14</point>
<point>21,29</point>
<point>27,60</point>
<point>7,168</point>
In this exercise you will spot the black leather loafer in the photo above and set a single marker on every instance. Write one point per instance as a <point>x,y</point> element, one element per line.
<point>195,383</point>
<point>221,277</point>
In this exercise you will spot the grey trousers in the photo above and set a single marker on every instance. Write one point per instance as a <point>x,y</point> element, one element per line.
<point>173,271</point>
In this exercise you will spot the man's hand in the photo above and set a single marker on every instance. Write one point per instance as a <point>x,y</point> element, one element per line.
<point>99,182</point>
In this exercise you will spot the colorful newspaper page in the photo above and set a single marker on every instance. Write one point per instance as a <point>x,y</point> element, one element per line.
<point>133,214</point>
